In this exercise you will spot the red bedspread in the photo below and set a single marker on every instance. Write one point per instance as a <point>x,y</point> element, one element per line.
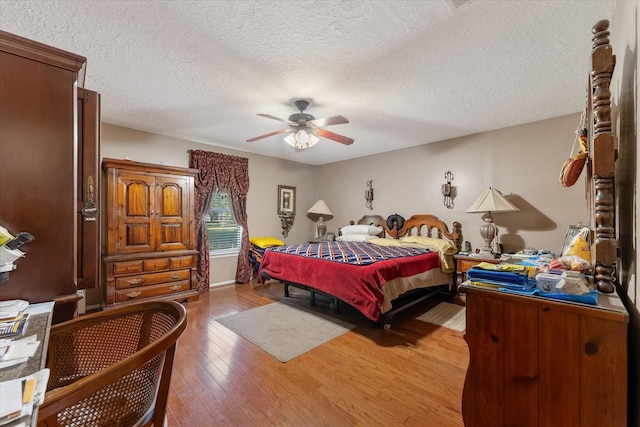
<point>357,285</point>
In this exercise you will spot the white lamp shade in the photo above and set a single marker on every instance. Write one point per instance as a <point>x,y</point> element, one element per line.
<point>492,200</point>
<point>320,208</point>
<point>301,140</point>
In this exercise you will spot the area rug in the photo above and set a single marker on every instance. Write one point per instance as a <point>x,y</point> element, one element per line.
<point>445,314</point>
<point>283,331</point>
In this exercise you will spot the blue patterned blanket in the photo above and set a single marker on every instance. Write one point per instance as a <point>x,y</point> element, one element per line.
<point>356,253</point>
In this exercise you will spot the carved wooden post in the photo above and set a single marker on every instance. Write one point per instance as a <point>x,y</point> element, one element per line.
<point>603,156</point>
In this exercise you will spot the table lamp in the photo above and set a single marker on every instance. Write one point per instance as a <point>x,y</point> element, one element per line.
<point>319,212</point>
<point>490,200</point>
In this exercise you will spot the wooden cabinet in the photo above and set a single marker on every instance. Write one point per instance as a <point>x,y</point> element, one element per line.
<point>538,362</point>
<point>150,235</point>
<point>44,167</point>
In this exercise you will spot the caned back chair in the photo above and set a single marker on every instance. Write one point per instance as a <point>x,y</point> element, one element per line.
<point>112,368</point>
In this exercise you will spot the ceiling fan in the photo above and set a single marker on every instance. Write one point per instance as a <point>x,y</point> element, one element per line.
<point>305,128</point>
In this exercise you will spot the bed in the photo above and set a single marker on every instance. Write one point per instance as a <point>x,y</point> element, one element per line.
<point>371,276</point>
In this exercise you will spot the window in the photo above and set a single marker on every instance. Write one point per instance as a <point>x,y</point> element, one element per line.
<point>224,233</point>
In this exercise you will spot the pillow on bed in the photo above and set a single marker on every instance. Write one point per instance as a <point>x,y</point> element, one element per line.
<point>443,246</point>
<point>385,242</point>
<point>355,238</point>
<point>370,230</point>
<point>266,242</point>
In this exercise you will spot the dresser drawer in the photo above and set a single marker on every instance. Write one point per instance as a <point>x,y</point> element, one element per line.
<point>156,264</point>
<point>127,267</point>
<point>152,279</point>
<point>181,262</point>
<point>152,291</point>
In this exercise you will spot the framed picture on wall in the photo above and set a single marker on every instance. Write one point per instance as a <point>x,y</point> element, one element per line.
<point>286,200</point>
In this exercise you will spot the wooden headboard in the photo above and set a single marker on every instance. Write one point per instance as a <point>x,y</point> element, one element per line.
<point>601,162</point>
<point>419,225</point>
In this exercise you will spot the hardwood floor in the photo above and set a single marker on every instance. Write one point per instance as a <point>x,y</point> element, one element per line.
<point>410,375</point>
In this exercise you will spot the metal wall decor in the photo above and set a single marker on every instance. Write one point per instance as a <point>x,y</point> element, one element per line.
<point>448,190</point>
<point>286,207</point>
<point>368,195</point>
<point>286,222</point>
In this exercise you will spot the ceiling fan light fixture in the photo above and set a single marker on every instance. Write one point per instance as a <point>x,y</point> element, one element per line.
<point>305,129</point>
<point>301,140</point>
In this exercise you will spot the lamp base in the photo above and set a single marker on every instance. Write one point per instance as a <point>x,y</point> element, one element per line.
<point>321,228</point>
<point>488,231</point>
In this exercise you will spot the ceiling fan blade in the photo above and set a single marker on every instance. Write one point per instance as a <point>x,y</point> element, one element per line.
<point>334,136</point>
<point>335,120</point>
<point>269,116</point>
<point>267,135</point>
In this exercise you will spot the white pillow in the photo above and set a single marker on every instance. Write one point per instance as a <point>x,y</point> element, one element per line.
<point>370,230</point>
<point>355,238</point>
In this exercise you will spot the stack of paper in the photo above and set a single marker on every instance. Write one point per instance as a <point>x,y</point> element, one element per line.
<point>21,395</point>
<point>13,352</point>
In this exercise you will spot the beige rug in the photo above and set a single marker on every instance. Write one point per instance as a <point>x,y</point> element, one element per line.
<point>445,314</point>
<point>283,331</point>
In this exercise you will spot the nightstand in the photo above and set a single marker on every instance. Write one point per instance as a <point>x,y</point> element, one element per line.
<point>464,263</point>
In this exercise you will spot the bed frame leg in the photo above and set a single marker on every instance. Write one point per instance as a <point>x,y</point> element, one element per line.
<point>335,305</point>
<point>286,290</point>
<point>313,299</point>
<point>385,321</point>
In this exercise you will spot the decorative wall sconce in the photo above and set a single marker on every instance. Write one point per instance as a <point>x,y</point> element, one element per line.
<point>286,222</point>
<point>448,191</point>
<point>368,195</point>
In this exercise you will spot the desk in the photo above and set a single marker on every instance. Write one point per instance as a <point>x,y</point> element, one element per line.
<point>39,324</point>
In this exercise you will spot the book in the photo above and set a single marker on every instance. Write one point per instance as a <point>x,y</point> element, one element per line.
<point>14,327</point>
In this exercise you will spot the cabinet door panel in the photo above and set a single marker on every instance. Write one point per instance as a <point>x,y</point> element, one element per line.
<point>601,378</point>
<point>489,362</point>
<point>135,210</point>
<point>172,218</point>
<point>37,177</point>
<point>521,370</point>
<point>88,188</point>
<point>559,375</point>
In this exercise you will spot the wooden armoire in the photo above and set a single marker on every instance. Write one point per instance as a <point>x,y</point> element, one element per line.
<point>149,232</point>
<point>49,172</point>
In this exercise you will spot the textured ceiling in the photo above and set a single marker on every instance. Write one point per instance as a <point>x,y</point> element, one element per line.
<point>404,73</point>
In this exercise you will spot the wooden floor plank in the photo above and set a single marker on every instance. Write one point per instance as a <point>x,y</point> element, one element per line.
<point>411,375</point>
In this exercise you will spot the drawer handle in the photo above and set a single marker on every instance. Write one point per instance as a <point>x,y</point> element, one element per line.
<point>175,276</point>
<point>135,281</point>
<point>133,294</point>
<point>175,288</point>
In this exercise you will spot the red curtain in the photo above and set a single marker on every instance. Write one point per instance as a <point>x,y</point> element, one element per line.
<point>228,174</point>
